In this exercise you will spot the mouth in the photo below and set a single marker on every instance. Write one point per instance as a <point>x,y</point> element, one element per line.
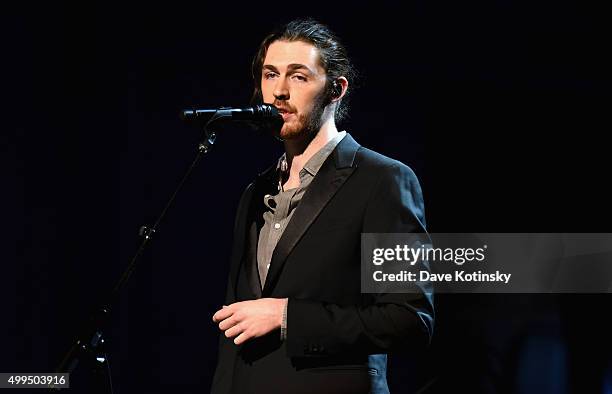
<point>284,113</point>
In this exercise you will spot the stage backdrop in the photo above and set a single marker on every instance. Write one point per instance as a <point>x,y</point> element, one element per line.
<point>499,107</point>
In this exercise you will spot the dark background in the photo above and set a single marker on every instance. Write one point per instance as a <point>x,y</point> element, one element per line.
<point>501,108</point>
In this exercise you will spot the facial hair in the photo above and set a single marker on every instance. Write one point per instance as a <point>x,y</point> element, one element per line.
<point>308,125</point>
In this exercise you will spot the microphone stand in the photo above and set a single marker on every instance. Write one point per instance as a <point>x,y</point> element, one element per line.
<point>90,346</point>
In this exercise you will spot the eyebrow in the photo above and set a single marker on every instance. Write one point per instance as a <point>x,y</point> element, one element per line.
<point>291,67</point>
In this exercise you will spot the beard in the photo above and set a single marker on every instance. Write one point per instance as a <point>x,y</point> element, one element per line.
<point>307,125</point>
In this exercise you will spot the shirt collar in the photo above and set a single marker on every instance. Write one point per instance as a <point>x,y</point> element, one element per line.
<point>313,165</point>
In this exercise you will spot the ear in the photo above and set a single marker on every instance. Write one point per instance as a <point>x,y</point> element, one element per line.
<point>339,88</point>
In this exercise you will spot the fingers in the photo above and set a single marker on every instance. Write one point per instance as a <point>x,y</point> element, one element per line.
<point>240,339</point>
<point>233,331</point>
<point>228,323</point>
<point>234,320</point>
<point>228,320</point>
<point>222,314</point>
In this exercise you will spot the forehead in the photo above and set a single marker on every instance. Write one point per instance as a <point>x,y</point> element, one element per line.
<point>282,53</point>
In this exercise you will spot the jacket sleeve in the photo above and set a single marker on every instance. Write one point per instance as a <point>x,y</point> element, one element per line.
<point>388,321</point>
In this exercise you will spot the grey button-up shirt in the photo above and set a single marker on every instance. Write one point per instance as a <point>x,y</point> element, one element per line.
<point>281,206</point>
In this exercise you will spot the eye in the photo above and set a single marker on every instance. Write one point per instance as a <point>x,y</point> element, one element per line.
<point>299,77</point>
<point>269,75</point>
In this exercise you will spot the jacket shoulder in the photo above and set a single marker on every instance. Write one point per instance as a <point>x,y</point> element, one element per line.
<point>372,161</point>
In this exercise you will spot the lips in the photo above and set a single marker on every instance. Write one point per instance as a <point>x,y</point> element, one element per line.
<point>284,113</point>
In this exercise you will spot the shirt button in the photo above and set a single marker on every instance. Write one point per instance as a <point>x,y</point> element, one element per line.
<point>268,266</point>
<point>276,225</point>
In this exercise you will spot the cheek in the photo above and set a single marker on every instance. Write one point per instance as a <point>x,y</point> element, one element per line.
<point>306,102</point>
<point>266,91</point>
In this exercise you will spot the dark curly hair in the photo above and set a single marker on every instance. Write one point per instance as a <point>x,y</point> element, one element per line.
<point>333,57</point>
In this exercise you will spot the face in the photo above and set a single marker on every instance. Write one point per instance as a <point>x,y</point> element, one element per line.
<point>293,80</point>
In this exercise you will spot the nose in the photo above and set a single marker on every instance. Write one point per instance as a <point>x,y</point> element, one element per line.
<point>280,90</point>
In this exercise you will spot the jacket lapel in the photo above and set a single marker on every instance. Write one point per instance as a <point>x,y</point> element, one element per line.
<point>264,184</point>
<point>331,176</point>
<point>252,273</point>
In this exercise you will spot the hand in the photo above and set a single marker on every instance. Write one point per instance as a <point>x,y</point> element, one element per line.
<point>250,319</point>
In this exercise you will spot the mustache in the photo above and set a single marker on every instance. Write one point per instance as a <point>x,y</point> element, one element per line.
<point>283,107</point>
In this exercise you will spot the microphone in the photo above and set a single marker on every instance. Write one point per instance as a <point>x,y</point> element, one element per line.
<point>263,113</point>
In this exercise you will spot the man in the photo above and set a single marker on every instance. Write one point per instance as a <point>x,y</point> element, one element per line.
<point>295,320</point>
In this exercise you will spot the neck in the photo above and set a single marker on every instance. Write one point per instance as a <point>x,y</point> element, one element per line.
<point>299,151</point>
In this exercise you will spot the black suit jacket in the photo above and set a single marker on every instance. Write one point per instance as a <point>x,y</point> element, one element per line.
<point>331,326</point>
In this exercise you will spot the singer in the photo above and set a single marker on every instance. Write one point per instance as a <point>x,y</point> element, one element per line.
<point>294,319</point>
